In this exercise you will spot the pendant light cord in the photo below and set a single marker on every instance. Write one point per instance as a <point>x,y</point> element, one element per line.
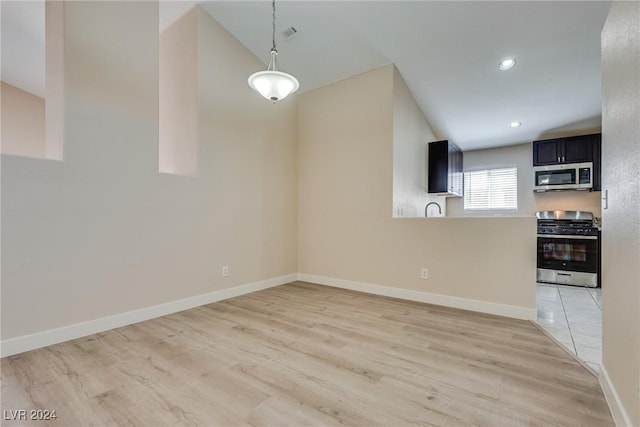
<point>273,64</point>
<point>273,26</point>
<point>273,84</point>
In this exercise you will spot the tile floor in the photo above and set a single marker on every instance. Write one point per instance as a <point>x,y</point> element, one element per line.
<point>573,316</point>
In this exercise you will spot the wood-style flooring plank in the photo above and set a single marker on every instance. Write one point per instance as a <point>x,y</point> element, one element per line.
<point>303,354</point>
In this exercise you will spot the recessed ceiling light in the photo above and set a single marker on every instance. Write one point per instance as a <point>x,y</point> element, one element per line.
<point>507,64</point>
<point>515,124</point>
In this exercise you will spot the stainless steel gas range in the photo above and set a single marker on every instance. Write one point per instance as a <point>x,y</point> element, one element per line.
<point>568,248</point>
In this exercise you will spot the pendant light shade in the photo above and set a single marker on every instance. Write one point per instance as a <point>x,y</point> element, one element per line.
<point>274,85</point>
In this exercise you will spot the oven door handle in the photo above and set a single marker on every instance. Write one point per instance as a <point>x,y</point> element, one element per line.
<point>568,236</point>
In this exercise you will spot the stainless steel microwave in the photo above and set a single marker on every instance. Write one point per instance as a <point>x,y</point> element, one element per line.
<point>571,176</point>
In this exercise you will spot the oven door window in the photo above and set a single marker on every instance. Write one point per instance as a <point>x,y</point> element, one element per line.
<point>556,177</point>
<point>568,254</point>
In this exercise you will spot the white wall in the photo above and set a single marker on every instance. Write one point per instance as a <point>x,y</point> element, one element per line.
<point>521,156</point>
<point>621,221</point>
<point>103,232</point>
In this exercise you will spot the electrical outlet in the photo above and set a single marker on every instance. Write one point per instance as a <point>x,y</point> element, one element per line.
<point>225,271</point>
<point>424,273</point>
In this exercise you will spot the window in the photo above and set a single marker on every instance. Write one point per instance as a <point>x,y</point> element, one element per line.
<point>492,189</point>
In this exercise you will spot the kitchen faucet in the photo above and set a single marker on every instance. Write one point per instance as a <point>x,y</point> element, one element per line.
<point>426,209</point>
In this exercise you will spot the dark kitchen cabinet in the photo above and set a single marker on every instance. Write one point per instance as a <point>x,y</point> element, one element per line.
<point>444,169</point>
<point>578,149</point>
<point>574,149</point>
<point>546,152</point>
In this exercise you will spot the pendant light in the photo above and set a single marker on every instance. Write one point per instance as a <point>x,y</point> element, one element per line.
<point>273,84</point>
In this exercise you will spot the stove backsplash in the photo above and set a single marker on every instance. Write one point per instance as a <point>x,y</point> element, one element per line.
<point>569,201</point>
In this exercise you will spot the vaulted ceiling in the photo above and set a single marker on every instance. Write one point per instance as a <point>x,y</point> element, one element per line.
<point>448,53</point>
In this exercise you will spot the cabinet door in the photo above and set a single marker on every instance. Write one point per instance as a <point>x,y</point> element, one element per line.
<point>456,178</point>
<point>438,167</point>
<point>578,149</point>
<point>547,152</point>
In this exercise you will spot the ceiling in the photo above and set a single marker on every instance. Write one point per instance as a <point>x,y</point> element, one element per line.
<point>447,52</point>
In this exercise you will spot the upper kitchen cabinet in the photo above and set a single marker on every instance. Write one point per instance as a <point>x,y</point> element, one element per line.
<point>547,152</point>
<point>575,149</point>
<point>578,149</point>
<point>445,169</point>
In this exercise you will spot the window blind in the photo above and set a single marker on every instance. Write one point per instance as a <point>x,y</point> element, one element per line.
<point>492,189</point>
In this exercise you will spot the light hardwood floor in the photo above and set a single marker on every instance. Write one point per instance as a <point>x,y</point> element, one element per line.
<point>303,354</point>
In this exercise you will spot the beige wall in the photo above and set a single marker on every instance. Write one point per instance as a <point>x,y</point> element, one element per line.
<point>54,78</point>
<point>583,127</point>
<point>23,123</point>
<point>345,188</point>
<point>621,221</point>
<point>529,203</point>
<point>411,133</point>
<point>103,232</point>
<point>569,201</point>
<point>178,96</point>
<point>33,127</point>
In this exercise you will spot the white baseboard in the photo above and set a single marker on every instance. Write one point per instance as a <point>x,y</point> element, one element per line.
<point>514,311</point>
<point>66,333</point>
<point>54,336</point>
<point>620,416</point>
